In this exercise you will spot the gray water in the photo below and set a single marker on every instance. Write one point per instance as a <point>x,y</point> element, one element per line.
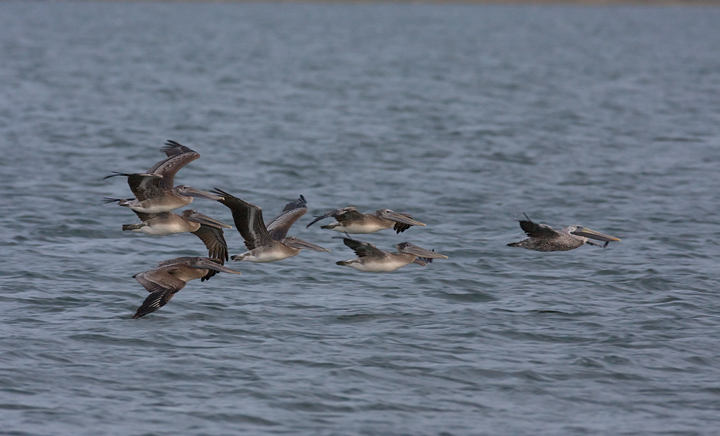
<point>464,116</point>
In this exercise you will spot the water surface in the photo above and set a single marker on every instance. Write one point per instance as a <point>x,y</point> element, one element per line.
<point>463,116</point>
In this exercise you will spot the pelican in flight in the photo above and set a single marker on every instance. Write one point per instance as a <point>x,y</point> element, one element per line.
<point>154,190</point>
<point>165,280</point>
<point>545,238</point>
<point>209,230</point>
<point>266,244</point>
<point>371,259</point>
<point>349,220</point>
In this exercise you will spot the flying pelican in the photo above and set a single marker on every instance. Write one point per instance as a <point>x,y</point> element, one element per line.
<point>209,230</point>
<point>349,220</point>
<point>545,238</point>
<point>154,190</point>
<point>165,280</point>
<point>264,246</point>
<point>371,259</point>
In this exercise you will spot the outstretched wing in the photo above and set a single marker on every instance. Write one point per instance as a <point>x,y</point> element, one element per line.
<point>364,249</point>
<point>535,230</point>
<point>161,284</point>
<point>159,279</point>
<point>154,301</point>
<point>178,157</point>
<point>214,240</point>
<point>337,213</point>
<point>248,220</point>
<point>401,227</point>
<point>279,226</point>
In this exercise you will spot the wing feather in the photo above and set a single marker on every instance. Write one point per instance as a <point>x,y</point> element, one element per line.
<point>248,220</point>
<point>364,249</point>
<point>280,225</point>
<point>214,240</point>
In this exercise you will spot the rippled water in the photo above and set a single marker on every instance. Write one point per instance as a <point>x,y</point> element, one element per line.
<point>464,116</point>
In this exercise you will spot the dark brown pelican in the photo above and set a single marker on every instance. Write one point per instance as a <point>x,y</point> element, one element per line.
<point>545,238</point>
<point>170,276</point>
<point>261,244</point>
<point>371,259</point>
<point>209,230</point>
<point>154,190</point>
<point>349,220</point>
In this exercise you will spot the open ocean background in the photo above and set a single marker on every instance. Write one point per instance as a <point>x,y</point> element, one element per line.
<point>464,116</point>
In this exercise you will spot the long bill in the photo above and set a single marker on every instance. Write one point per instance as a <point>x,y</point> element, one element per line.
<point>592,234</point>
<point>201,194</point>
<point>200,218</point>
<point>211,265</point>
<point>394,216</point>
<point>302,245</point>
<point>421,252</point>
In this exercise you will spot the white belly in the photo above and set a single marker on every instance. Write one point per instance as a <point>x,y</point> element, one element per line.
<point>264,256</point>
<point>359,229</point>
<point>380,266</point>
<point>162,229</point>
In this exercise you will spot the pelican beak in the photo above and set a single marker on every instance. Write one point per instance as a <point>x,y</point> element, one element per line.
<point>206,220</point>
<point>421,252</point>
<point>394,216</point>
<point>202,194</point>
<point>302,245</point>
<point>592,234</point>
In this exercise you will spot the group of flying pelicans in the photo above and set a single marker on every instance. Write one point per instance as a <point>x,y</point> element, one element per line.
<point>156,197</point>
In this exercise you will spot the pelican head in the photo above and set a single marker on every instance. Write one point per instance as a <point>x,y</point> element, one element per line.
<point>406,247</point>
<point>398,217</point>
<point>189,191</point>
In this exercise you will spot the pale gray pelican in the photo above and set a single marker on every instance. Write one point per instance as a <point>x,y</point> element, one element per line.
<point>209,230</point>
<point>371,259</point>
<point>170,276</point>
<point>545,238</point>
<point>154,190</point>
<point>349,220</point>
<point>264,246</point>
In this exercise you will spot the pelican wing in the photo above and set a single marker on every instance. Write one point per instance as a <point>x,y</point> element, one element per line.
<point>248,220</point>
<point>279,226</point>
<point>145,186</point>
<point>535,230</point>
<point>178,157</point>
<point>154,301</point>
<point>401,227</point>
<point>160,279</point>
<point>364,249</point>
<point>146,216</point>
<point>214,240</point>
<point>336,213</point>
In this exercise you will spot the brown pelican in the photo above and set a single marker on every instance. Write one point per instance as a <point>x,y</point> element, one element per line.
<point>154,190</point>
<point>371,259</point>
<point>349,220</point>
<point>261,244</point>
<point>170,276</point>
<point>545,238</point>
<point>207,229</point>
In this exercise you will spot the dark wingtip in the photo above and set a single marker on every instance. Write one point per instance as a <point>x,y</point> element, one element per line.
<point>115,174</point>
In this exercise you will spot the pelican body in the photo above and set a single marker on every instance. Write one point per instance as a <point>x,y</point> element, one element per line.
<point>266,244</point>
<point>170,276</point>
<point>349,220</point>
<point>371,259</point>
<point>209,230</point>
<point>154,190</point>
<point>544,238</point>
